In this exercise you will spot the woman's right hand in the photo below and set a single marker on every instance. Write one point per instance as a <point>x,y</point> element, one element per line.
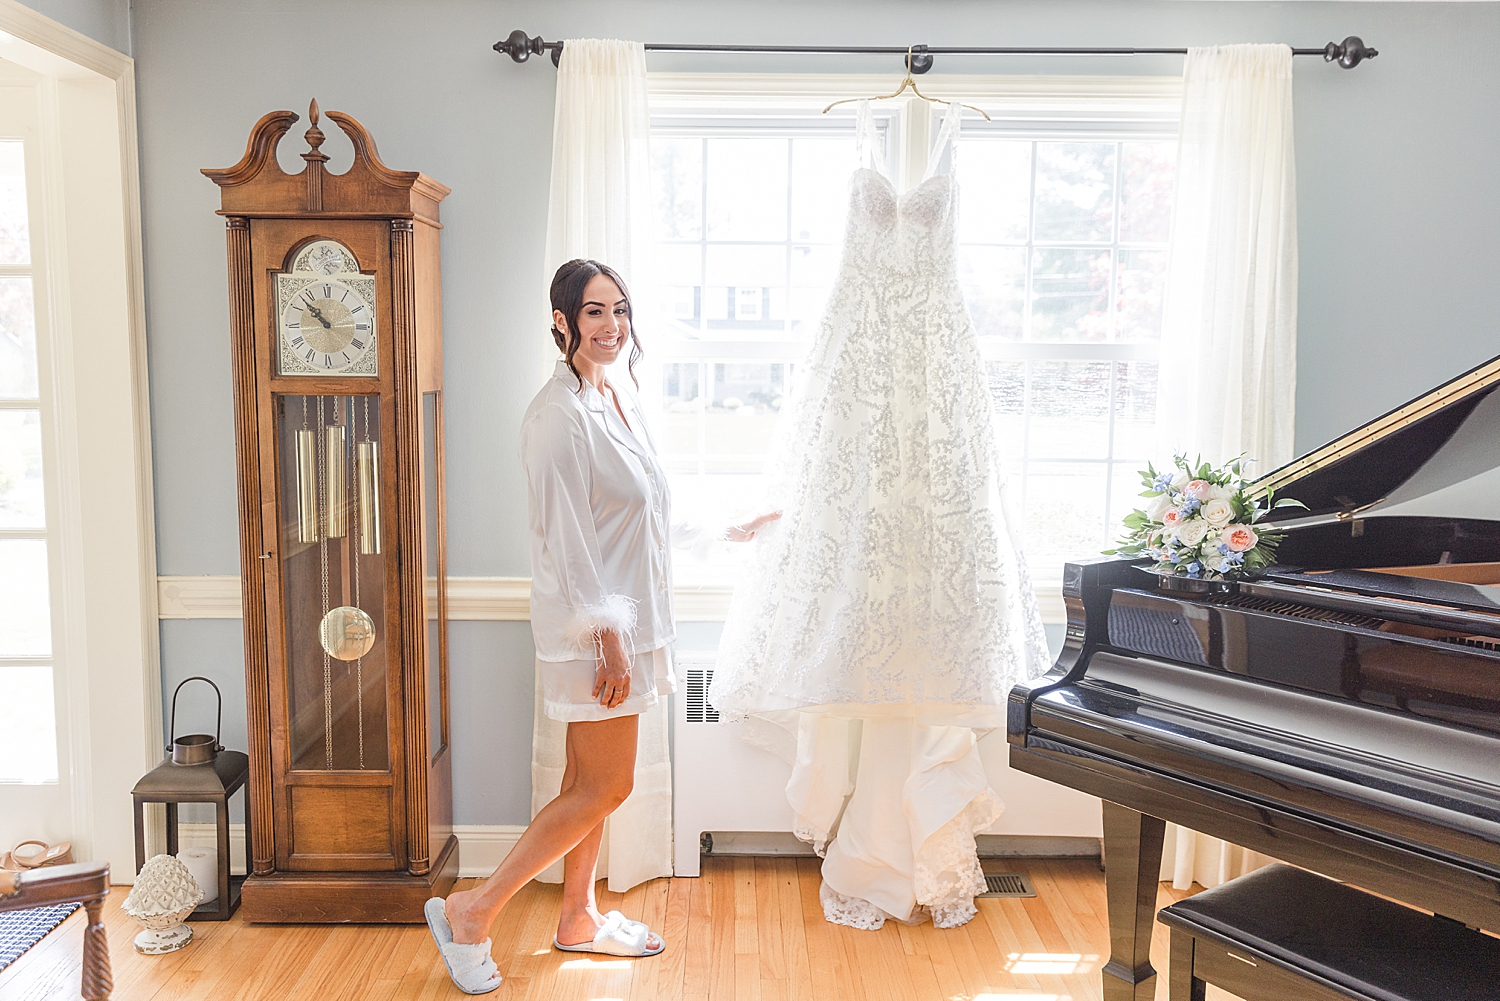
<point>612,678</point>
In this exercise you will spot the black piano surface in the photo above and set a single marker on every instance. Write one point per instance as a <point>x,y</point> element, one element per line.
<point>1339,712</point>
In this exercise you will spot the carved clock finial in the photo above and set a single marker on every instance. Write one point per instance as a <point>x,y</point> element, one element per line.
<point>315,158</point>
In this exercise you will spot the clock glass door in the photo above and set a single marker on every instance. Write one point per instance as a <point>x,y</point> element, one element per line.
<point>333,582</point>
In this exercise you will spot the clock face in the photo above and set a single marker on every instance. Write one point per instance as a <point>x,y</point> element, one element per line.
<point>326,314</point>
<point>328,326</point>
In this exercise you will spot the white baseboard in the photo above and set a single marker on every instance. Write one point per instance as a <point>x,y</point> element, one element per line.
<point>481,847</point>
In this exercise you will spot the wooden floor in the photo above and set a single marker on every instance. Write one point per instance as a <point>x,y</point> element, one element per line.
<point>747,930</point>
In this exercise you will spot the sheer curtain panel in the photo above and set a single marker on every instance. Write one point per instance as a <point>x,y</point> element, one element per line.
<point>598,208</point>
<point>1228,371</point>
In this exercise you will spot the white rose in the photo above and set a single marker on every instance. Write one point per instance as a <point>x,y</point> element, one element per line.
<point>1180,480</point>
<point>1219,492</point>
<point>1217,513</point>
<point>1160,505</point>
<point>1192,531</point>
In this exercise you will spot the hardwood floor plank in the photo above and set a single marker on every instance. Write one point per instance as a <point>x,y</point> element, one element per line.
<point>772,949</point>
<point>793,932</point>
<point>746,928</point>
<point>722,884</point>
<point>697,963</point>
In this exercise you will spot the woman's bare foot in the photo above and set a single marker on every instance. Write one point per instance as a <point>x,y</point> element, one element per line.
<point>468,928</point>
<point>581,927</point>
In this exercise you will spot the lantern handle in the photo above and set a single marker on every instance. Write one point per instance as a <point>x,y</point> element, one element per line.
<point>218,725</point>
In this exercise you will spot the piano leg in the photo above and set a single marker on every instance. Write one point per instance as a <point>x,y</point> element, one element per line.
<point>1132,869</point>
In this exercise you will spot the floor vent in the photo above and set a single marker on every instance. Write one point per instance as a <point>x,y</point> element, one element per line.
<point>1007,884</point>
<point>698,709</point>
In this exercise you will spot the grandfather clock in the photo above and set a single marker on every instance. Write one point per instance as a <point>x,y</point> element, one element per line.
<point>335,316</point>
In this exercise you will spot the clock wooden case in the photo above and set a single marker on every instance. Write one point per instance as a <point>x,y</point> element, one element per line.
<point>335,320</point>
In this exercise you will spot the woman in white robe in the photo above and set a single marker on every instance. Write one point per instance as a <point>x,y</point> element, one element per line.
<point>601,614</point>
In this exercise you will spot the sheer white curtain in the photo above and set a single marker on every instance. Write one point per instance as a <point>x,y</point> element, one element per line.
<point>598,208</point>
<point>1228,370</point>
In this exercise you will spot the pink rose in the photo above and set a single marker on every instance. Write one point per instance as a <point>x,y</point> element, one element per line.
<point>1239,538</point>
<point>1198,489</point>
<point>1171,519</point>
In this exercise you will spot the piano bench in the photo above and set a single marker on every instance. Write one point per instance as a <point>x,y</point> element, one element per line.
<point>1281,933</point>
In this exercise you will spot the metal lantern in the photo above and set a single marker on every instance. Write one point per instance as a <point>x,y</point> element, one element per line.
<point>197,769</point>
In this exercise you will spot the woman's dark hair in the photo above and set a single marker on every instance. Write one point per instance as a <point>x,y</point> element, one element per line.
<point>567,298</point>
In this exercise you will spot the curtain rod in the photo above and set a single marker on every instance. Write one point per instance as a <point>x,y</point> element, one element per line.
<point>1349,53</point>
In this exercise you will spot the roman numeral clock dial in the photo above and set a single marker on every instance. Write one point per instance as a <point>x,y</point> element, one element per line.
<point>326,314</point>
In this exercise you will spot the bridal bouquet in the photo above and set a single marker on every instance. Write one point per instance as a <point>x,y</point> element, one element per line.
<point>1200,523</point>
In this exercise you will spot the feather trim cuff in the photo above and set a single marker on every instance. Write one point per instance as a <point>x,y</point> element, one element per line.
<point>616,612</point>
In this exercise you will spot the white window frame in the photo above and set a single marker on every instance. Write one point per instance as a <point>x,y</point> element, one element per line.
<point>91,334</point>
<point>1022,107</point>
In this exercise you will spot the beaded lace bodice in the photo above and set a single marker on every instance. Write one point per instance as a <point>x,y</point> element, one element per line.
<point>894,581</point>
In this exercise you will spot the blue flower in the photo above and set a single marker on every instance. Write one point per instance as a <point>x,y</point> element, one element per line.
<point>1194,568</point>
<point>1163,483</point>
<point>1189,505</point>
<point>1223,549</point>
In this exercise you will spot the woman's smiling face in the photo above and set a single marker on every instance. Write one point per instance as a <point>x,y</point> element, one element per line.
<point>603,323</point>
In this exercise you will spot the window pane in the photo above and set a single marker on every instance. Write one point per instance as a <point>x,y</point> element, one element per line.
<point>995,178</point>
<point>1147,171</point>
<point>1008,391</point>
<point>677,184</point>
<point>679,287</point>
<point>745,290</point>
<point>21,498</point>
<point>742,412</point>
<point>1070,295</point>
<point>17,339</point>
<point>1075,191</point>
<point>682,402</point>
<point>1070,409</point>
<point>820,167</point>
<point>28,724</point>
<point>15,233</point>
<point>994,283</point>
<point>1064,514</point>
<point>747,189</point>
<point>25,610</point>
<point>1135,411</point>
<point>1138,294</point>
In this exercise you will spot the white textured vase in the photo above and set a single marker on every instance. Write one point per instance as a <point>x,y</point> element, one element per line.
<point>164,893</point>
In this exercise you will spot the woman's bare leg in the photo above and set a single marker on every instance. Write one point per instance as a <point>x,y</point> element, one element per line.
<point>580,919</point>
<point>603,757</point>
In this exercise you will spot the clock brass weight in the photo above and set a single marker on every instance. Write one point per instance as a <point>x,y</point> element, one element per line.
<point>335,324</point>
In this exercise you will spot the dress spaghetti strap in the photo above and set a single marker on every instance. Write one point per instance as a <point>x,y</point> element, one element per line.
<point>947,134</point>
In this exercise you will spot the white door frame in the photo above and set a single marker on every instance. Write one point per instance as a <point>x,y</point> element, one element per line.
<point>105,609</point>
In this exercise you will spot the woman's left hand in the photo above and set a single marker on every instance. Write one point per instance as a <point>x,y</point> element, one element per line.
<point>745,531</point>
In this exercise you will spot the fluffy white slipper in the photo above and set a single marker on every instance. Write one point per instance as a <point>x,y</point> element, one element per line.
<point>619,936</point>
<point>471,966</point>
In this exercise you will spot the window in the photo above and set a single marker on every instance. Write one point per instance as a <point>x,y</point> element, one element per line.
<point>1063,252</point>
<point>1063,240</point>
<point>28,739</point>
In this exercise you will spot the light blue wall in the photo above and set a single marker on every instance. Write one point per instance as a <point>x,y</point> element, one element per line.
<point>106,21</point>
<point>1398,215</point>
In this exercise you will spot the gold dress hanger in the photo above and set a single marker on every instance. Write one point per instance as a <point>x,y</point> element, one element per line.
<point>909,83</point>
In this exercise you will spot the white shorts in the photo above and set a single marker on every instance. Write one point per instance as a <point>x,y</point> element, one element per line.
<point>568,686</point>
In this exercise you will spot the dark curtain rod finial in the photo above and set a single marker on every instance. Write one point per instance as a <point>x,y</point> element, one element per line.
<point>1349,53</point>
<point>521,48</point>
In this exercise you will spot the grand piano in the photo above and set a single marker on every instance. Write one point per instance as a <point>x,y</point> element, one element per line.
<point>1340,712</point>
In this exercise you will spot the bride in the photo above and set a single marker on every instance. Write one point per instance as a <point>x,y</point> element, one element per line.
<point>600,517</point>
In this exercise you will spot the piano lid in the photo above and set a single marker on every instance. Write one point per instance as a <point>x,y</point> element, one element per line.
<point>1437,456</point>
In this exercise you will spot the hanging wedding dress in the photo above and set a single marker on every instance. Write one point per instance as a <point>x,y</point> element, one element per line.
<point>887,615</point>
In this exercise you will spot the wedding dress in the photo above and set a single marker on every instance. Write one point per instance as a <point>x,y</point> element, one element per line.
<point>887,614</point>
